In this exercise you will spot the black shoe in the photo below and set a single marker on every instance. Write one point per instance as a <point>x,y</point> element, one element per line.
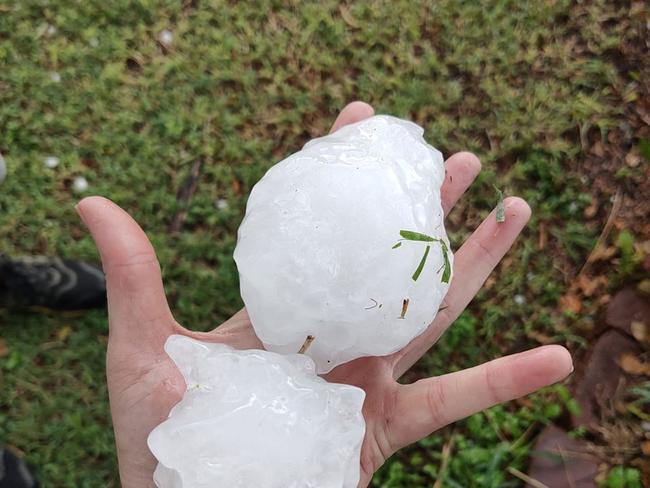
<point>55,283</point>
<point>14,473</point>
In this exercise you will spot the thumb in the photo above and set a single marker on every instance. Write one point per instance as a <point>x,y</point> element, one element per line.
<point>137,307</point>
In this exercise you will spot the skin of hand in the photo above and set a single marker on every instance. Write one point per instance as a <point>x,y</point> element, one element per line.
<point>144,384</point>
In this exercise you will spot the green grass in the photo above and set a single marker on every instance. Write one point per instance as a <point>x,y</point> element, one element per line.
<point>242,85</point>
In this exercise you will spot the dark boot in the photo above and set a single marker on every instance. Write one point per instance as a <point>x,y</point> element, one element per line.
<point>54,283</point>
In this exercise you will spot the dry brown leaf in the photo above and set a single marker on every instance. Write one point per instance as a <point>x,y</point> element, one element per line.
<point>490,282</point>
<point>235,185</point>
<point>592,209</point>
<point>598,149</point>
<point>639,330</point>
<point>644,286</point>
<point>63,333</point>
<point>347,17</point>
<point>570,302</point>
<point>539,337</point>
<point>633,365</point>
<point>604,299</point>
<point>602,253</point>
<point>632,159</point>
<point>645,448</point>
<point>4,348</point>
<point>590,285</point>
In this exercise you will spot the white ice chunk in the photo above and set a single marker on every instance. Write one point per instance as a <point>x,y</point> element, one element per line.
<point>80,184</point>
<point>315,250</point>
<point>256,419</point>
<point>166,37</point>
<point>51,162</point>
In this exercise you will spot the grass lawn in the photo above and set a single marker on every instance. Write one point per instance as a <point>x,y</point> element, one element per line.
<point>100,85</point>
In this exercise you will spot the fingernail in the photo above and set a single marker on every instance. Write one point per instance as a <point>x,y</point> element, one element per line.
<point>80,214</point>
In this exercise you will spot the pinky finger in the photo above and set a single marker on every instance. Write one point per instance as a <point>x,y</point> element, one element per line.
<point>428,405</point>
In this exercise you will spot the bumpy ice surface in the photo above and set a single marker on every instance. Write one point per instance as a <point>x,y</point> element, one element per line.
<point>314,251</point>
<point>256,419</point>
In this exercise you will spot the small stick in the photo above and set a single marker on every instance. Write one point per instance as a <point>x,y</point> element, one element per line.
<point>185,196</point>
<point>405,306</point>
<point>446,454</point>
<point>525,478</point>
<point>616,206</point>
<point>306,344</point>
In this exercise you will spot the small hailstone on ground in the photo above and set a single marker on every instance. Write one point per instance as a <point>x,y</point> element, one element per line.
<point>55,77</point>
<point>256,419</point>
<point>519,299</point>
<point>94,42</point>
<point>80,184</point>
<point>345,241</point>
<point>51,162</point>
<point>50,30</point>
<point>166,37</point>
<point>221,204</point>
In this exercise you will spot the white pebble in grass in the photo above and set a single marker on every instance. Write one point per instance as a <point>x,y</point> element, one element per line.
<point>166,37</point>
<point>51,162</point>
<point>519,299</point>
<point>345,241</point>
<point>258,419</point>
<point>221,204</point>
<point>55,77</point>
<point>80,184</point>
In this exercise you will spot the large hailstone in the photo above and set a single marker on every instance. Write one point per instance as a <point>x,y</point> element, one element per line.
<point>318,252</point>
<point>256,419</point>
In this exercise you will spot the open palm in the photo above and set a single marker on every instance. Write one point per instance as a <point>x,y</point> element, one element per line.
<point>144,384</point>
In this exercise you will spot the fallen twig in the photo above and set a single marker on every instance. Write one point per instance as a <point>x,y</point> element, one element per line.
<point>616,206</point>
<point>185,197</point>
<point>525,478</point>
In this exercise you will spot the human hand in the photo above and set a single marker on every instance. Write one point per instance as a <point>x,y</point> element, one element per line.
<point>144,384</point>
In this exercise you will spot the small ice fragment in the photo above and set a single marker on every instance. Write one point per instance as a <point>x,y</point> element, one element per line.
<point>221,204</point>
<point>51,162</point>
<point>50,30</point>
<point>573,206</point>
<point>80,184</point>
<point>258,419</point>
<point>166,37</point>
<point>519,299</point>
<point>94,42</point>
<point>55,77</point>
